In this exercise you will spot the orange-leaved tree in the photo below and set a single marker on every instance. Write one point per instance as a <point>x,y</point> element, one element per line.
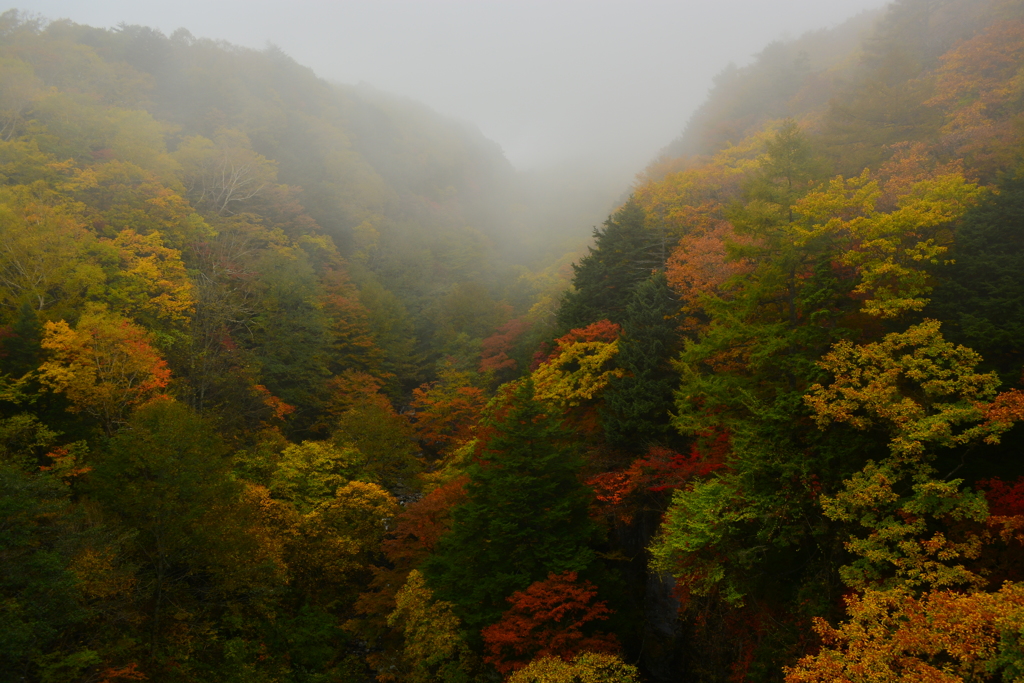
<point>495,350</point>
<point>446,411</point>
<point>619,494</point>
<point>977,89</point>
<point>106,365</point>
<point>700,266</point>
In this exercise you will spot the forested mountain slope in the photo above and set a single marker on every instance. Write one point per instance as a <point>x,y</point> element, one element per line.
<point>784,79</point>
<point>275,408</point>
<point>845,279</point>
<point>220,279</point>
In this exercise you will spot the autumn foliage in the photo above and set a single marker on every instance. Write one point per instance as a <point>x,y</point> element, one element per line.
<point>660,470</point>
<point>587,667</point>
<point>105,366</point>
<point>549,618</point>
<point>701,265</point>
<point>938,637</point>
<point>495,350</point>
<point>1004,499</point>
<point>580,366</point>
<point>445,412</point>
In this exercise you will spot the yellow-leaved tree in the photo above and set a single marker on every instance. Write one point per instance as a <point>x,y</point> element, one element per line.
<point>333,544</point>
<point>587,667</point>
<point>433,650</point>
<point>888,250</point>
<point>922,610</point>
<point>580,367</point>
<point>105,365</point>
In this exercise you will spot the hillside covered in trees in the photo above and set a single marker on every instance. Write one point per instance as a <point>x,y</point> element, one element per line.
<point>295,385</point>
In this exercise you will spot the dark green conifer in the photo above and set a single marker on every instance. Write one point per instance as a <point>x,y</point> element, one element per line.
<point>981,294</point>
<point>525,514</point>
<point>40,598</point>
<point>21,350</point>
<point>637,404</point>
<point>624,253</point>
<point>292,336</point>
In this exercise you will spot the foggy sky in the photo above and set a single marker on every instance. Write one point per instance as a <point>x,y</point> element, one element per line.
<point>549,80</point>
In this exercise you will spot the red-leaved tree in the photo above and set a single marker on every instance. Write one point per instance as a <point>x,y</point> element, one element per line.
<point>619,494</point>
<point>495,350</point>
<point>550,618</point>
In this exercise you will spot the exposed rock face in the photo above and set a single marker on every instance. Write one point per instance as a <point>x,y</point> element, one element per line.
<point>658,645</point>
<point>661,657</point>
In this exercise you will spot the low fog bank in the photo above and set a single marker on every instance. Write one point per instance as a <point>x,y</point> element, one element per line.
<point>579,97</point>
<point>565,201</point>
<point>549,81</point>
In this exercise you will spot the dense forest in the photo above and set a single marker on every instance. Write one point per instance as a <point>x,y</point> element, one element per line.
<point>300,383</point>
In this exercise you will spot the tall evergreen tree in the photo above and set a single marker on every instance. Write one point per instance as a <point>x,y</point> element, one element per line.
<point>623,255</point>
<point>39,597</point>
<point>21,351</point>
<point>292,335</point>
<point>637,404</point>
<point>525,514</point>
<point>981,294</point>
<point>165,478</point>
